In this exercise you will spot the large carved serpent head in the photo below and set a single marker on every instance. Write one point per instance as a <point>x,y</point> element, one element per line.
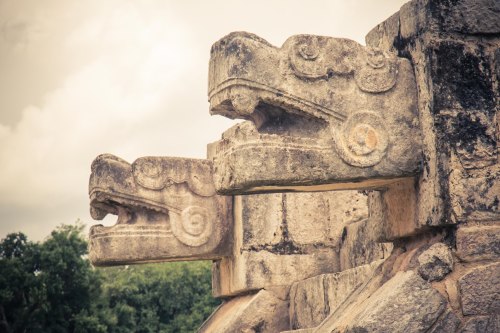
<point>324,112</point>
<point>166,210</point>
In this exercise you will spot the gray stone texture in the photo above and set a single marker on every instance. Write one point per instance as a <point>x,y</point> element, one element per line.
<point>487,324</point>
<point>313,299</point>
<point>261,312</point>
<point>405,303</point>
<point>447,323</point>
<point>435,262</point>
<point>457,104</point>
<point>302,330</point>
<point>359,245</point>
<point>480,290</point>
<point>478,242</point>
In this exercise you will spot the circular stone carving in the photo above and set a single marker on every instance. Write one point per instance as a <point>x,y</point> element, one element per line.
<point>148,173</point>
<point>306,59</point>
<point>375,58</point>
<point>379,74</point>
<point>362,140</point>
<point>193,226</point>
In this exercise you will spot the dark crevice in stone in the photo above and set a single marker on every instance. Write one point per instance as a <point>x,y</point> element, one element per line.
<point>461,78</point>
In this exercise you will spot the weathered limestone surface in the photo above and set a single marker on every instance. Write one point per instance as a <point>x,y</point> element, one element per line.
<point>478,242</point>
<point>302,330</point>
<point>480,290</point>
<point>393,211</point>
<point>435,262</point>
<point>458,84</point>
<point>283,238</point>
<point>327,113</point>
<point>359,245</point>
<point>167,210</point>
<point>485,324</point>
<point>405,303</point>
<point>463,16</point>
<point>261,312</point>
<point>313,299</point>
<point>448,323</point>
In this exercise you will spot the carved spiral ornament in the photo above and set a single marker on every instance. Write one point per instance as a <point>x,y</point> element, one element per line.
<point>377,71</point>
<point>148,174</point>
<point>362,140</point>
<point>193,226</point>
<point>306,59</point>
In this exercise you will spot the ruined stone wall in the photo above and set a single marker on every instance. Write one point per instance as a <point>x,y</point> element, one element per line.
<point>411,121</point>
<point>444,276</point>
<point>444,272</point>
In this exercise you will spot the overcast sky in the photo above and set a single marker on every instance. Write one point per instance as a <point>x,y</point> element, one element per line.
<point>80,78</point>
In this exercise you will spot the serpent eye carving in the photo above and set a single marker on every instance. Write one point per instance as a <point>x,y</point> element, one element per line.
<point>362,140</point>
<point>305,58</point>
<point>193,226</point>
<point>309,51</point>
<point>148,174</point>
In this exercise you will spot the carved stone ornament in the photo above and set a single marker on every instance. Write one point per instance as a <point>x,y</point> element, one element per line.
<point>325,112</point>
<point>167,210</point>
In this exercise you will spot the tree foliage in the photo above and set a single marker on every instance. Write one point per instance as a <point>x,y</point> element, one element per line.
<point>51,287</point>
<point>173,297</point>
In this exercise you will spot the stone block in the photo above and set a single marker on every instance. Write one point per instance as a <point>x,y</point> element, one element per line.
<point>457,106</point>
<point>329,213</point>
<point>487,324</point>
<point>261,312</point>
<point>480,290</point>
<point>462,80</point>
<point>405,303</point>
<point>359,245</point>
<point>417,17</point>
<point>304,219</point>
<point>393,212</point>
<point>313,299</point>
<point>479,242</point>
<point>283,238</point>
<point>470,17</point>
<point>167,211</point>
<point>435,262</point>
<point>447,323</point>
<point>474,196</point>
<point>254,270</point>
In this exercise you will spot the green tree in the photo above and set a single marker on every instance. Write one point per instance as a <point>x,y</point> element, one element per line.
<point>51,287</point>
<point>173,297</point>
<point>22,294</point>
<point>72,286</point>
<point>48,287</point>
